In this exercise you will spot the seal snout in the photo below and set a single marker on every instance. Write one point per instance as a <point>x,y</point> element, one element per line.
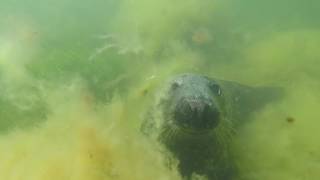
<point>196,114</point>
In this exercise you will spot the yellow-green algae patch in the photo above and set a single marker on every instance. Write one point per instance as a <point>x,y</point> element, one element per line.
<point>78,142</point>
<point>280,142</point>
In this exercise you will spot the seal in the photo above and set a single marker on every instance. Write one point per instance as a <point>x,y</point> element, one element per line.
<point>196,117</point>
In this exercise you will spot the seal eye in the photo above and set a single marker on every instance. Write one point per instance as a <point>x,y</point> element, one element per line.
<point>216,89</point>
<point>175,85</point>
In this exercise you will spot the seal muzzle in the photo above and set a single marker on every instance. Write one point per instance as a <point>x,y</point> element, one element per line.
<point>196,114</point>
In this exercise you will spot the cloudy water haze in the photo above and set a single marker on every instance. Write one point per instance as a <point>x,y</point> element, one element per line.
<point>77,77</point>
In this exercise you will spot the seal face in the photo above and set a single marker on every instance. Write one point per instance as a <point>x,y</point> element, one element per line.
<point>196,117</point>
<point>193,103</point>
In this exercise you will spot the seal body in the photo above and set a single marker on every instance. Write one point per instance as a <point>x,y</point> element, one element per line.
<point>196,117</point>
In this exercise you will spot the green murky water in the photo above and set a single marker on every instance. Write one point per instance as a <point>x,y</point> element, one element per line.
<point>76,77</point>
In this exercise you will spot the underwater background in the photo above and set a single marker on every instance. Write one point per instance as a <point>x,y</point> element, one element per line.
<point>77,76</point>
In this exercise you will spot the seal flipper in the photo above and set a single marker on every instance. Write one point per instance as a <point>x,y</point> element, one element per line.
<point>245,100</point>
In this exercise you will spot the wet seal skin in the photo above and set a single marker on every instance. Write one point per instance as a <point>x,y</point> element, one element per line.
<point>196,117</point>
